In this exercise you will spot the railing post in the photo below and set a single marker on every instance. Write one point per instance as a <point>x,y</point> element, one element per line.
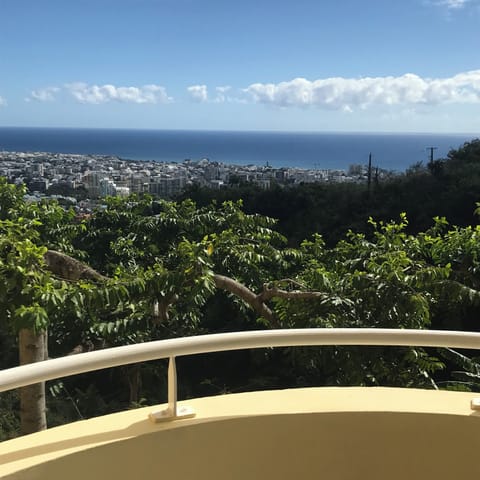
<point>172,412</point>
<point>172,386</point>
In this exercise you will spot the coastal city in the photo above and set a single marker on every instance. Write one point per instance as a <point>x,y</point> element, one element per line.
<point>82,181</point>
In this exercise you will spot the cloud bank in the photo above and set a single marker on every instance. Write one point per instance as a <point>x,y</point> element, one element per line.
<point>222,94</point>
<point>452,4</point>
<point>198,93</point>
<point>97,94</point>
<point>332,93</point>
<point>340,93</point>
<point>43,94</point>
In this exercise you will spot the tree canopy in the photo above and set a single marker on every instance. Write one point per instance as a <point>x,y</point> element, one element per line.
<point>143,269</point>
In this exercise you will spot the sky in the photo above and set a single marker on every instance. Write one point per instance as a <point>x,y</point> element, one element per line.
<point>303,65</point>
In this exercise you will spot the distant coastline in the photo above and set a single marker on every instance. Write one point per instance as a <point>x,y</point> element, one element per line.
<point>307,150</point>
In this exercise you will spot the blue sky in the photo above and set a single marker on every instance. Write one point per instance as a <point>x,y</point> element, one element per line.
<point>314,65</point>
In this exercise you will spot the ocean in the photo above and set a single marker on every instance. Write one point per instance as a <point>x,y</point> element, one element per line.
<point>279,149</point>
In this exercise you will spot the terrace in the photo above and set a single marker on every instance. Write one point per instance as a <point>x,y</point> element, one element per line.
<point>334,433</point>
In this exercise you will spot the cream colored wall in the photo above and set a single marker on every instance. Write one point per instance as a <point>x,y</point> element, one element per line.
<point>348,433</point>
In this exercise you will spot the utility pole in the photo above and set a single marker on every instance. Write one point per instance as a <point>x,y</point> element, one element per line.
<point>431,153</point>
<point>369,177</point>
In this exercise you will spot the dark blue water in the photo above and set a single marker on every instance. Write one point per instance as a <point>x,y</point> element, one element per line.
<point>303,150</point>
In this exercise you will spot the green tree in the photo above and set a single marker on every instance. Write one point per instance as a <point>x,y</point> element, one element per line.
<point>144,269</point>
<point>31,297</point>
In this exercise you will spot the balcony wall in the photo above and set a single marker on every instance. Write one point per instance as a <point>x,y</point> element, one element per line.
<point>324,433</point>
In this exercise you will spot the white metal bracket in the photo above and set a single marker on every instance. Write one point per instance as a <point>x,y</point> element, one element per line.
<point>173,411</point>
<point>475,403</point>
<point>167,416</point>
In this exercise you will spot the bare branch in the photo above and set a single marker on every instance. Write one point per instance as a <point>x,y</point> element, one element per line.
<point>274,292</point>
<point>255,301</point>
<point>160,312</point>
<point>69,268</point>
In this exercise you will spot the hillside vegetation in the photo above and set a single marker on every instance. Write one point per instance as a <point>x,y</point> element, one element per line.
<point>446,188</point>
<point>144,269</point>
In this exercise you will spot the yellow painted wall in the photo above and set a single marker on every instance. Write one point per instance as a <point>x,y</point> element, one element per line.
<point>331,433</point>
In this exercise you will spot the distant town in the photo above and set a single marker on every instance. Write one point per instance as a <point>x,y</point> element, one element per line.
<point>83,180</point>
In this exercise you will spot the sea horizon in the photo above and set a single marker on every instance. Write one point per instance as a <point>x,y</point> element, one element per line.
<point>288,149</point>
<point>227,130</point>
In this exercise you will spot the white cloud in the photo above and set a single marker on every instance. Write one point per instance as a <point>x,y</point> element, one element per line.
<point>222,94</point>
<point>452,4</point>
<point>96,94</point>
<point>43,94</point>
<point>3,102</point>
<point>198,93</point>
<point>345,94</point>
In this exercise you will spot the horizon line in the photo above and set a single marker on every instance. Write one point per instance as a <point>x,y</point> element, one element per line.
<point>213,130</point>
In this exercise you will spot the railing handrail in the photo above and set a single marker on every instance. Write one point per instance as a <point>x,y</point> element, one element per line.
<point>113,357</point>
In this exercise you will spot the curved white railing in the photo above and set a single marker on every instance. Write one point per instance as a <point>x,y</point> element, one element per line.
<point>128,354</point>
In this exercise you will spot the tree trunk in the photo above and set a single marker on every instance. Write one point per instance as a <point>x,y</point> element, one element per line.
<point>134,379</point>
<point>32,347</point>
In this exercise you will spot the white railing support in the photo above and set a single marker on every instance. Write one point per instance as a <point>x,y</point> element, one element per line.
<point>172,386</point>
<point>173,411</point>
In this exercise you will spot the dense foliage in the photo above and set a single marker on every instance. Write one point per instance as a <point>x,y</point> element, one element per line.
<point>445,188</point>
<point>149,269</point>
